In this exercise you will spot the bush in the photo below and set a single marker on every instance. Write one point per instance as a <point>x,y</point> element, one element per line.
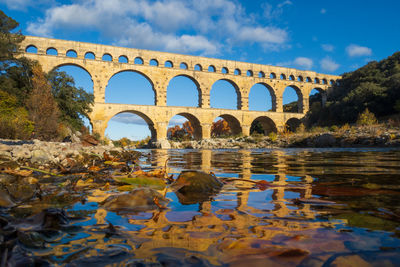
<point>273,136</point>
<point>366,118</point>
<point>301,128</point>
<point>14,122</point>
<point>334,128</point>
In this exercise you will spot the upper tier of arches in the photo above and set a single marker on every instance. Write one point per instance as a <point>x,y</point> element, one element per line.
<point>169,60</point>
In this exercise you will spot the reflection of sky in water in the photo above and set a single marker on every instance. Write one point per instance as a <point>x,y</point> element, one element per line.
<point>218,229</point>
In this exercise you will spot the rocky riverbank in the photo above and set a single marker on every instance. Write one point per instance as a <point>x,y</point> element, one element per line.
<point>42,152</point>
<point>353,137</point>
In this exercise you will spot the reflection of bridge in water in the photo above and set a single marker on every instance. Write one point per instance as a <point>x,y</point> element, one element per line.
<point>235,214</point>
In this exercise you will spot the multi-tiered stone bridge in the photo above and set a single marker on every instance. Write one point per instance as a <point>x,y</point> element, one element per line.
<point>160,67</point>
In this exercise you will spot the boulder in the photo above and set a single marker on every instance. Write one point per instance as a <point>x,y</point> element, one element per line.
<point>141,199</point>
<point>40,156</point>
<point>325,140</point>
<point>163,144</point>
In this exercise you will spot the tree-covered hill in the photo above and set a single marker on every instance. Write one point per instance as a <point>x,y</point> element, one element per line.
<point>375,86</point>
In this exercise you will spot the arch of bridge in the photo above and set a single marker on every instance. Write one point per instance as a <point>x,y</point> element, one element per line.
<point>160,76</point>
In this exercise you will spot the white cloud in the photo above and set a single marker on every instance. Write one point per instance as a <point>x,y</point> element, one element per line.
<point>328,47</point>
<point>323,11</point>
<point>303,62</point>
<point>22,5</point>
<point>354,50</point>
<point>201,27</point>
<point>268,35</point>
<point>300,62</point>
<point>328,64</point>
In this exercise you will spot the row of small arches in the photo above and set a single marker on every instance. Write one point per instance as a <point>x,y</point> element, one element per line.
<point>169,64</point>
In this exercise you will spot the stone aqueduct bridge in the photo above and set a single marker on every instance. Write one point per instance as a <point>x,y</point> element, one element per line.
<point>159,68</point>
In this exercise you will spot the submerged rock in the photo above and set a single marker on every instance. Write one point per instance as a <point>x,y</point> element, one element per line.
<point>140,199</point>
<point>197,182</point>
<point>195,187</point>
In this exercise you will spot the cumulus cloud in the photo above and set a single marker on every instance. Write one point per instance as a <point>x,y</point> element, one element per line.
<point>130,118</point>
<point>303,62</point>
<point>354,50</point>
<point>327,47</point>
<point>192,26</point>
<point>328,64</point>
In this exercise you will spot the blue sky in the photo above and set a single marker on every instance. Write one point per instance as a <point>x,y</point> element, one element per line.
<point>325,36</point>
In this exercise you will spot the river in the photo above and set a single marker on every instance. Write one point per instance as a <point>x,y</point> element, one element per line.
<point>322,207</point>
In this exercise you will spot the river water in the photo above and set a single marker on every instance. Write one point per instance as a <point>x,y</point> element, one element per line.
<point>323,207</point>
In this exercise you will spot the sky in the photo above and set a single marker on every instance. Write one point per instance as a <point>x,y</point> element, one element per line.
<point>328,36</point>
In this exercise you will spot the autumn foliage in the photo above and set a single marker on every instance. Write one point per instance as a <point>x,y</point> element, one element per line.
<point>220,128</point>
<point>43,109</point>
<point>186,132</point>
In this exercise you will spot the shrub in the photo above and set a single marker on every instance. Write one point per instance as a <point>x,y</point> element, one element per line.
<point>334,128</point>
<point>273,136</point>
<point>366,118</point>
<point>301,128</point>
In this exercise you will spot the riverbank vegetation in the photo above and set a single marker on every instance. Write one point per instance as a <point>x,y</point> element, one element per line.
<point>33,103</point>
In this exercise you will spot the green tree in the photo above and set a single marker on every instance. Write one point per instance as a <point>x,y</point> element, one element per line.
<point>9,40</point>
<point>73,102</point>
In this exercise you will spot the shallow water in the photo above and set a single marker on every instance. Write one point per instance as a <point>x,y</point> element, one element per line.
<point>325,207</point>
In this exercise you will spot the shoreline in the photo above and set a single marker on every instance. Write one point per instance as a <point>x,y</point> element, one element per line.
<point>58,153</point>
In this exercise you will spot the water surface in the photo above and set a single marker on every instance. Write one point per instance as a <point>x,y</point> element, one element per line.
<point>356,221</point>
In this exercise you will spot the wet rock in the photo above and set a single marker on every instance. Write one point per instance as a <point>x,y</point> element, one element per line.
<point>5,199</point>
<point>196,181</point>
<point>51,218</point>
<point>140,199</point>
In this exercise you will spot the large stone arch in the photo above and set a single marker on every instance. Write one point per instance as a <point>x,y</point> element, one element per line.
<point>147,119</point>
<point>234,123</point>
<point>237,90</point>
<point>300,96</point>
<point>145,75</point>
<point>194,80</point>
<point>51,68</point>
<point>323,95</point>
<point>194,121</point>
<point>292,124</point>
<point>271,92</point>
<point>267,124</point>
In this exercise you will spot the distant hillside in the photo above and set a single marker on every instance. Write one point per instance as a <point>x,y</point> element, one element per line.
<point>375,86</point>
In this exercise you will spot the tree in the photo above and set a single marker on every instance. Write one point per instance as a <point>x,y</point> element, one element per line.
<point>73,102</point>
<point>14,122</point>
<point>8,41</point>
<point>42,107</point>
<point>186,132</point>
<point>220,128</point>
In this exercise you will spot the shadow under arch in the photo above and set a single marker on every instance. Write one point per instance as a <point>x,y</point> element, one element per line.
<point>147,119</point>
<point>271,93</point>
<point>233,123</point>
<point>267,124</point>
<point>196,83</point>
<point>237,90</point>
<point>321,98</point>
<point>292,124</point>
<point>300,97</point>
<point>137,72</point>
<point>194,121</point>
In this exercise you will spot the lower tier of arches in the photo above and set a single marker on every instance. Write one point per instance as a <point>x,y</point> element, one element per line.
<point>157,118</point>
